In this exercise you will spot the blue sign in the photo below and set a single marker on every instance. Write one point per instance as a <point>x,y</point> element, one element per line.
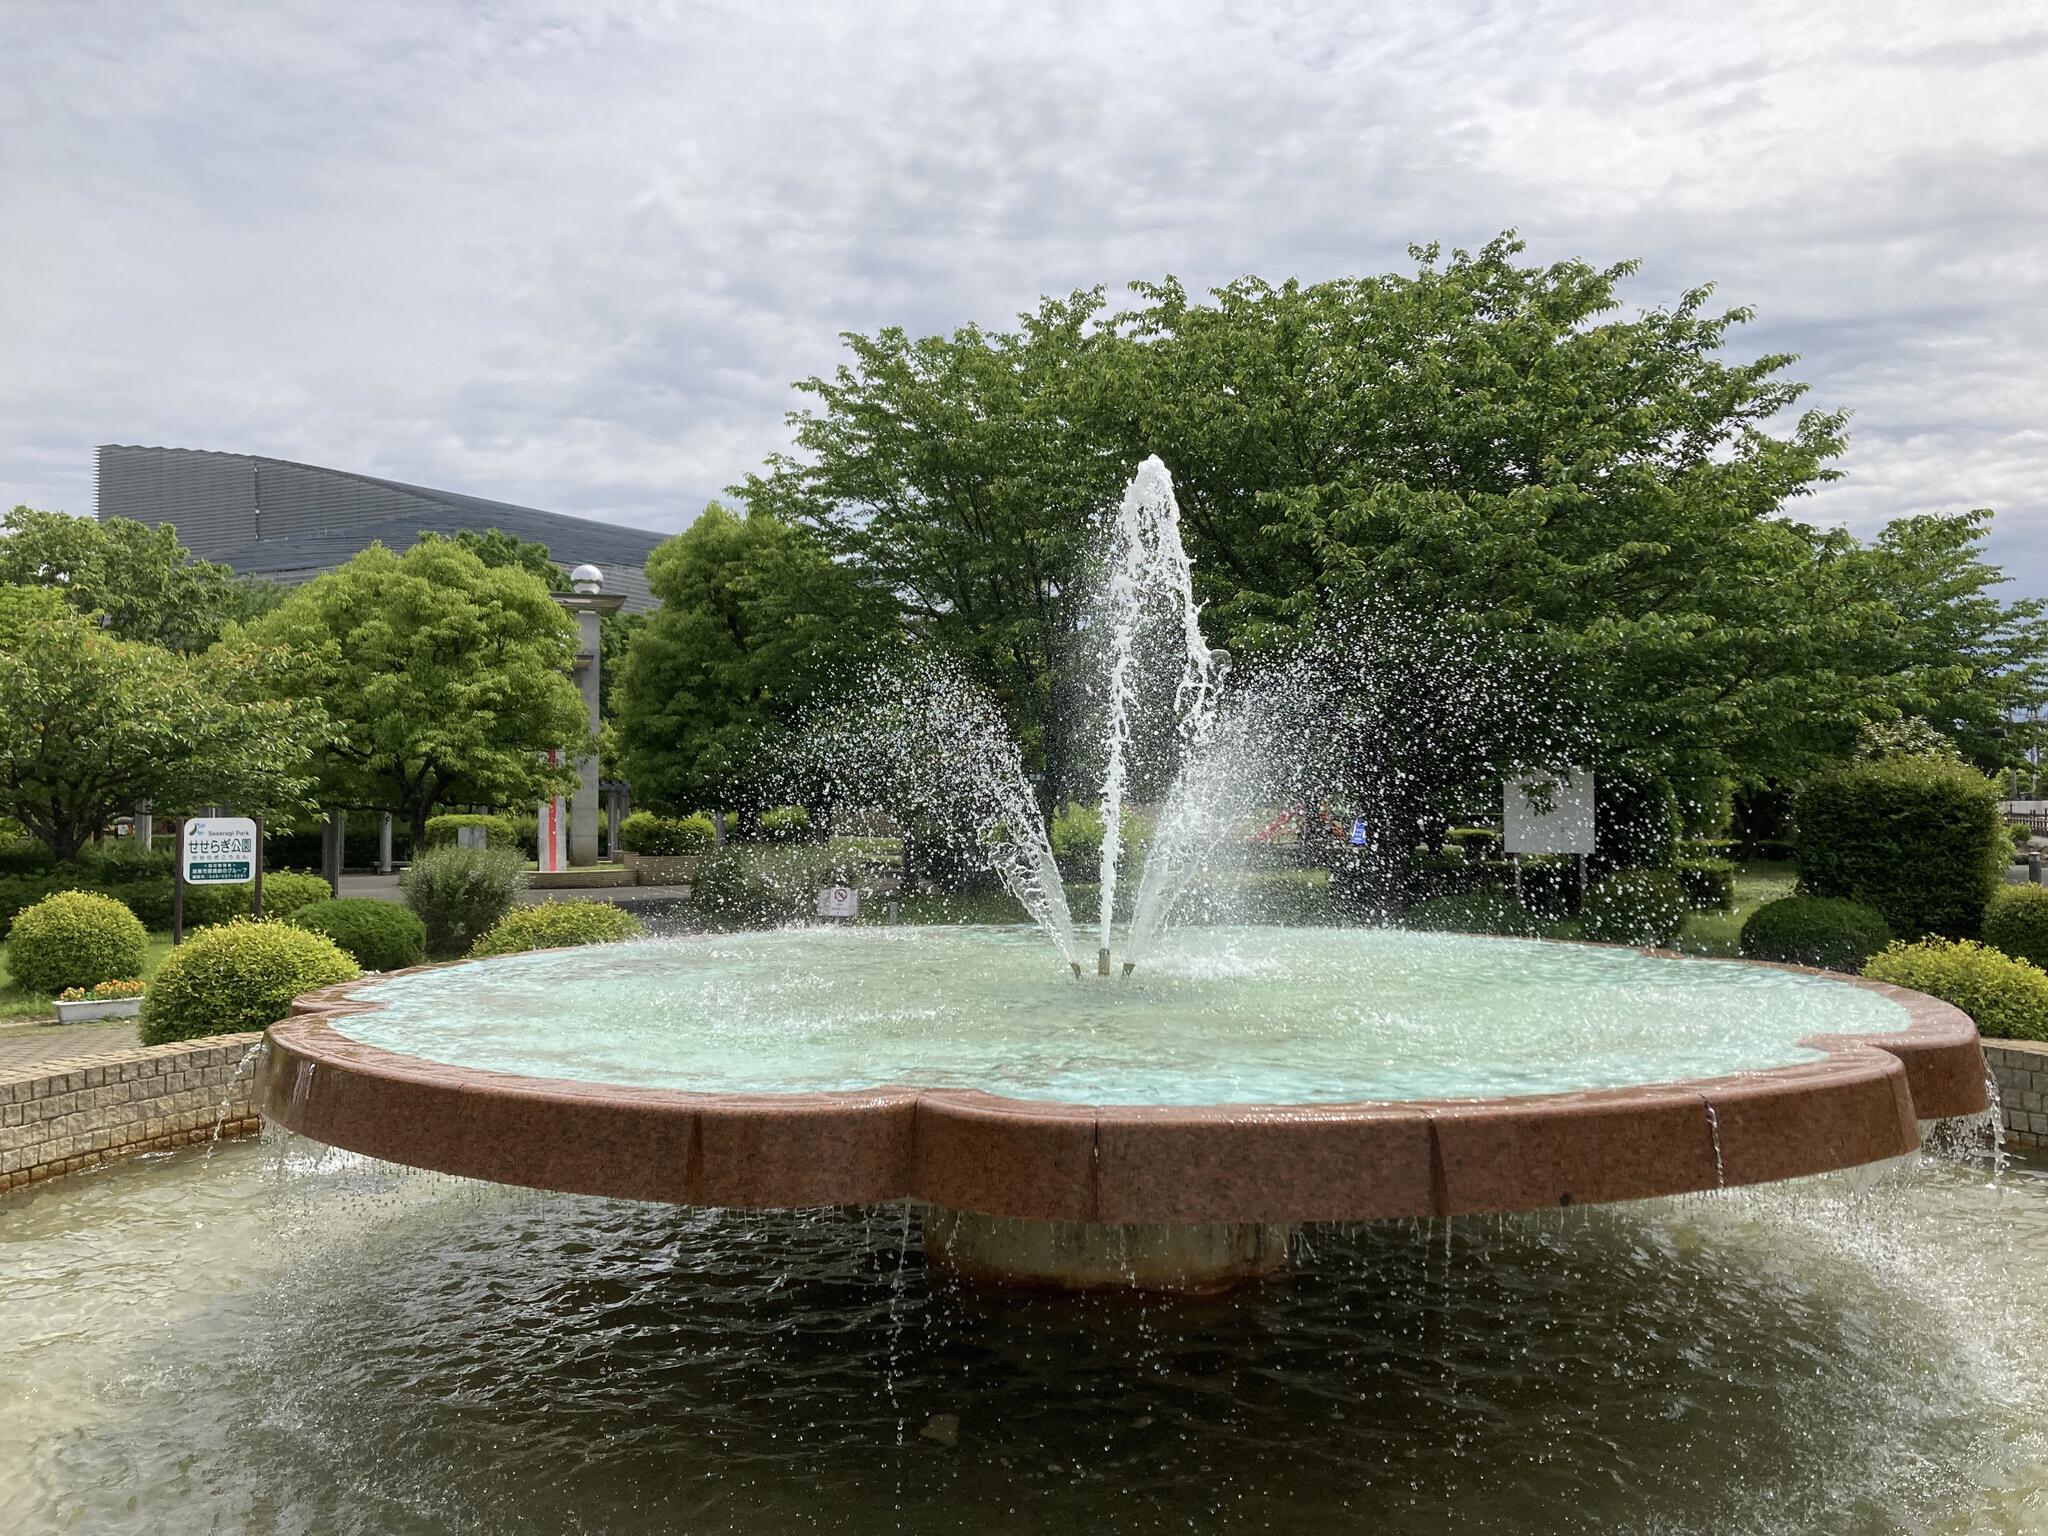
<point>1358,833</point>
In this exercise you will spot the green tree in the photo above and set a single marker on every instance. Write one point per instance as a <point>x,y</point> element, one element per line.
<point>146,584</point>
<point>444,680</point>
<point>500,550</point>
<point>91,723</point>
<point>756,622</point>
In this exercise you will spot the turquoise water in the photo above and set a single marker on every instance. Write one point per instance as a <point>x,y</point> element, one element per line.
<point>1216,1015</point>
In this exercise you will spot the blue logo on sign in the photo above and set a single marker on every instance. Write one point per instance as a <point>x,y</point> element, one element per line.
<point>1358,833</point>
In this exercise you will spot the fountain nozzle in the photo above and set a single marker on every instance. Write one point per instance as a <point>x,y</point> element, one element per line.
<point>1130,966</point>
<point>1102,962</point>
<point>1077,968</point>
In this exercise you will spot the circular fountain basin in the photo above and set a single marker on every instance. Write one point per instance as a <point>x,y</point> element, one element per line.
<point>1243,1076</point>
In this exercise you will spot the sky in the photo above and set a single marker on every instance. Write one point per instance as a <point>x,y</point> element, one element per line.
<point>575,255</point>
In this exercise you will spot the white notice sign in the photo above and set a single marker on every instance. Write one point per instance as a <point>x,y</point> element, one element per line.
<point>1567,827</point>
<point>220,850</point>
<point>839,901</point>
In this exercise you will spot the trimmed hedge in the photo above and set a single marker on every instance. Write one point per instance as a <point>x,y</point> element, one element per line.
<point>459,893</point>
<point>1635,906</point>
<point>75,939</point>
<point>1919,839</point>
<point>2016,922</point>
<point>1636,821</point>
<point>240,975</point>
<point>1826,931</point>
<point>555,925</point>
<point>1709,883</point>
<point>499,831</point>
<point>760,887</point>
<point>1474,842</point>
<point>2008,998</point>
<point>1488,909</point>
<point>786,823</point>
<point>377,935</point>
<point>666,837</point>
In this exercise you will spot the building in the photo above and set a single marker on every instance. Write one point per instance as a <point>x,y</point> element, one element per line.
<point>286,522</point>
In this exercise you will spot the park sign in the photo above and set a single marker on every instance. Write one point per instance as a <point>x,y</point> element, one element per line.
<point>220,850</point>
<point>1560,821</point>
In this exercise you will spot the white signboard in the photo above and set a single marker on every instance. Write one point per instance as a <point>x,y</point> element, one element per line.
<point>220,850</point>
<point>838,901</point>
<point>1567,827</point>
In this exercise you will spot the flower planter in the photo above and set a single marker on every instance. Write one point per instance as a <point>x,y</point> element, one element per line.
<point>100,1008</point>
<point>661,869</point>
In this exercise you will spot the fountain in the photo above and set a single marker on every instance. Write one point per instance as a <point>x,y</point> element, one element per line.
<point>1164,1129</point>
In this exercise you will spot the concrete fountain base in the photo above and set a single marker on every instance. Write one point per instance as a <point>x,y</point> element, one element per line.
<point>1200,1260</point>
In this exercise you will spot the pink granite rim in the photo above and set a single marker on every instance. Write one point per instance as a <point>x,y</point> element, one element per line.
<point>1859,1103</point>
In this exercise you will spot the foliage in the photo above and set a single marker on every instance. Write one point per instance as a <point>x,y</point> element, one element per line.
<point>1908,737</point>
<point>557,924</point>
<point>286,891</point>
<point>1634,906</point>
<point>743,886</point>
<point>757,622</point>
<point>644,832</point>
<point>444,680</point>
<point>1825,931</point>
<point>499,831</point>
<point>786,823</point>
<point>1483,909</point>
<point>240,976</point>
<point>147,585</point>
<point>459,893</point>
<point>2016,922</point>
<point>377,935</point>
<point>75,939</point>
<point>1709,883</point>
<point>2008,998</point>
<point>499,551</point>
<point>1475,842</point>
<point>1918,838</point>
<point>91,724</point>
<point>1636,821</point>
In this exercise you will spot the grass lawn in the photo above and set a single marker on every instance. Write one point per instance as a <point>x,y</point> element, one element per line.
<point>1715,933</point>
<point>21,1007</point>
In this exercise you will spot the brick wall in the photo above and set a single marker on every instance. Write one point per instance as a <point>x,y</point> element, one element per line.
<point>60,1116</point>
<point>2021,1070</point>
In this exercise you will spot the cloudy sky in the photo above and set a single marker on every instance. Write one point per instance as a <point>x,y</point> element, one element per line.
<point>574,254</point>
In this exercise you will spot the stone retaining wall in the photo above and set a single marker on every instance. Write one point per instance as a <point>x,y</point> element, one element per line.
<point>60,1116</point>
<point>2020,1068</point>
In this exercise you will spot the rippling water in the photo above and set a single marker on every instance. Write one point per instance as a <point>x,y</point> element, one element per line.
<point>1271,1015</point>
<point>293,1340</point>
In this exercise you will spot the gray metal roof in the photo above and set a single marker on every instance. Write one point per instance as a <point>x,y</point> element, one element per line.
<point>288,522</point>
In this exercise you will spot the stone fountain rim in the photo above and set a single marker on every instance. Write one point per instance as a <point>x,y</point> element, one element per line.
<point>972,1150</point>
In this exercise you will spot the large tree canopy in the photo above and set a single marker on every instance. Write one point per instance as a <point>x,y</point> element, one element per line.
<point>140,578</point>
<point>444,679</point>
<point>90,724</point>
<point>756,624</point>
<point>1480,441</point>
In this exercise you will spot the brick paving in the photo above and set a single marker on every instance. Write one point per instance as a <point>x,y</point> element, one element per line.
<point>23,1046</point>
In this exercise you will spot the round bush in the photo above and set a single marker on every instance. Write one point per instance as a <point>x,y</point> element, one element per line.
<point>1709,883</point>
<point>75,939</point>
<point>241,975</point>
<point>2008,998</point>
<point>287,892</point>
<point>1487,909</point>
<point>1826,931</point>
<point>377,935</point>
<point>557,924</point>
<point>2016,922</point>
<point>786,823</point>
<point>1918,838</point>
<point>459,893</point>
<point>1635,906</point>
<point>665,837</point>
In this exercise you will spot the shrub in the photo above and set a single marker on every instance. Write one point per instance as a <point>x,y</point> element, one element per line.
<point>1474,842</point>
<point>786,823</point>
<point>1709,883</point>
<point>377,935</point>
<point>460,892</point>
<point>1488,909</point>
<point>75,939</point>
<point>1634,906</point>
<point>2008,998</point>
<point>21,856</point>
<point>665,837</point>
<point>556,924</point>
<point>20,892</point>
<point>2016,922</point>
<point>240,975</point>
<point>288,891</point>
<point>498,831</point>
<point>1295,897</point>
<point>1918,838</point>
<point>1826,931</point>
<point>121,861</point>
<point>1636,821</point>
<point>764,887</point>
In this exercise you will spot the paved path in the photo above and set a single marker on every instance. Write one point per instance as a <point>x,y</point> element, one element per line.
<point>30,1045</point>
